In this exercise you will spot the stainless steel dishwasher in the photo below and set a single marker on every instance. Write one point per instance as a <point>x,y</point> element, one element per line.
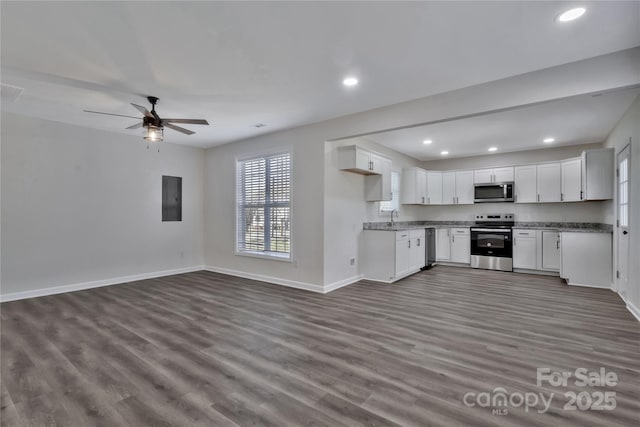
<point>430,247</point>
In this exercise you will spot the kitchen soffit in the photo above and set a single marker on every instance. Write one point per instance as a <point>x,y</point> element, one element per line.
<point>577,120</point>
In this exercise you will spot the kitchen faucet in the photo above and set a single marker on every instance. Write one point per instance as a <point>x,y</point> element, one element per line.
<point>392,212</point>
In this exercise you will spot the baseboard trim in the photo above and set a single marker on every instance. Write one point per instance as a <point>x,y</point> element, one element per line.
<point>588,286</point>
<point>538,272</point>
<point>341,283</point>
<point>634,310</point>
<point>14,296</point>
<point>262,278</point>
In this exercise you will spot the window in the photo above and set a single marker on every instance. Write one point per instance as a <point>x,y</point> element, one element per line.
<point>263,193</point>
<point>171,198</point>
<point>389,205</point>
<point>623,192</point>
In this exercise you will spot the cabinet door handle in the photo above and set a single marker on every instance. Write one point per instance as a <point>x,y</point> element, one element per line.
<point>538,197</point>
<point>418,242</point>
<point>580,194</point>
<point>409,243</point>
<point>558,244</point>
<point>562,197</point>
<point>453,238</point>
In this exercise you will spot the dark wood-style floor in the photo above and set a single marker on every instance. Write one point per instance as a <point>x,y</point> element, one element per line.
<point>213,350</point>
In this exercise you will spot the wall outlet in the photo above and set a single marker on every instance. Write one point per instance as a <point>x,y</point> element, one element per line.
<point>352,261</point>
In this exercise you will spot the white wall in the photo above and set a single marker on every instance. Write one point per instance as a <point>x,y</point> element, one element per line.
<point>629,127</point>
<point>81,205</point>
<point>305,270</point>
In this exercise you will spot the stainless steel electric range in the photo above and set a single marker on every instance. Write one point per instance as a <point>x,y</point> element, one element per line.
<point>492,243</point>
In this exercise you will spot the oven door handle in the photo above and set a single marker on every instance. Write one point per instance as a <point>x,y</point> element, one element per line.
<point>492,230</point>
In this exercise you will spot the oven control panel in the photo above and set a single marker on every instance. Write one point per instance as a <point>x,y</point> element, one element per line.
<point>494,217</point>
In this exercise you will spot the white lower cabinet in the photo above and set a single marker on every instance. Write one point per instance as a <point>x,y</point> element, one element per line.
<point>417,254</point>
<point>586,259</point>
<point>550,245</point>
<point>391,255</point>
<point>461,245</point>
<point>453,245</point>
<point>443,244</point>
<point>525,249</point>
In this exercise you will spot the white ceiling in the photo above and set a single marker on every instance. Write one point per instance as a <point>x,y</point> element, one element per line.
<point>578,120</point>
<point>280,63</point>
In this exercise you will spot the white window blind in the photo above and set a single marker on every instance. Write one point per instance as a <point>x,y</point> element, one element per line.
<point>387,206</point>
<point>263,222</point>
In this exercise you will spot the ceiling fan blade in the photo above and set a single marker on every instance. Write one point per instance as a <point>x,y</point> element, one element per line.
<point>187,121</point>
<point>136,126</point>
<point>109,114</point>
<point>178,129</point>
<point>143,110</point>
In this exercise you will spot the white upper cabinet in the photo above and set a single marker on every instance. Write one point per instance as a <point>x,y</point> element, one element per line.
<point>434,188</point>
<point>503,174</point>
<point>482,176</point>
<point>377,163</point>
<point>448,188</point>
<point>525,184</point>
<point>485,176</point>
<point>354,158</point>
<point>464,188</point>
<point>378,187</point>
<point>548,182</point>
<point>414,186</point>
<point>597,174</point>
<point>457,188</point>
<point>571,180</point>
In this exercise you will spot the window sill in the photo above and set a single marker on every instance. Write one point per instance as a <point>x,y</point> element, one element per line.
<point>274,256</point>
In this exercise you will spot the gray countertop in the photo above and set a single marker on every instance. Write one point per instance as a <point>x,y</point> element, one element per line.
<point>583,227</point>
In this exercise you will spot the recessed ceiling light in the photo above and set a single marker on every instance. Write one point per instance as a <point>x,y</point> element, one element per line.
<point>350,81</point>
<point>493,148</point>
<point>571,14</point>
<point>444,153</point>
<point>427,141</point>
<point>548,140</point>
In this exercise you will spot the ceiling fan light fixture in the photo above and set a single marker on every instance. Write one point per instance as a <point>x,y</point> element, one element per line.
<point>154,133</point>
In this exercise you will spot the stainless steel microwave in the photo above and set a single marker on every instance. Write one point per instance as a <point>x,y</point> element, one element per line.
<point>495,192</point>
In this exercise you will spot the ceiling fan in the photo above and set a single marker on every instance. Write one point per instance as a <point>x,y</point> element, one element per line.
<point>154,124</point>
